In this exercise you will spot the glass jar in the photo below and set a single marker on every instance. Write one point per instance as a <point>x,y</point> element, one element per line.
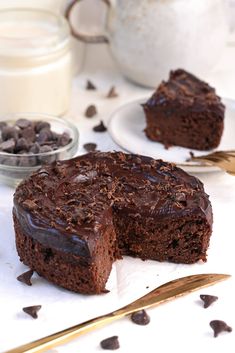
<point>35,62</point>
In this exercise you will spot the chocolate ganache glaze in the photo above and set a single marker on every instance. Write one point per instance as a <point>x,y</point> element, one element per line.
<point>127,204</point>
<point>185,111</point>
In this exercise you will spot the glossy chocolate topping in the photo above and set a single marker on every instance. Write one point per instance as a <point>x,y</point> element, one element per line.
<point>65,204</point>
<point>188,90</point>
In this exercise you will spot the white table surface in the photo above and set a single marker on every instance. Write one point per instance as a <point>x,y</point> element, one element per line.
<point>181,325</point>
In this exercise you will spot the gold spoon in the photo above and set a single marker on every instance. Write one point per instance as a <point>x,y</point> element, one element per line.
<point>165,292</point>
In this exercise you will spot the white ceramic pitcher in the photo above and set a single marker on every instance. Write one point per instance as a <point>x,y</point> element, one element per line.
<point>148,38</point>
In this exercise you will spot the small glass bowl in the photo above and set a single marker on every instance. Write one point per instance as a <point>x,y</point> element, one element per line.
<point>15,167</point>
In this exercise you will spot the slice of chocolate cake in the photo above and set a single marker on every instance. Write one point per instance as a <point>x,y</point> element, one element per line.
<point>185,111</point>
<point>74,218</point>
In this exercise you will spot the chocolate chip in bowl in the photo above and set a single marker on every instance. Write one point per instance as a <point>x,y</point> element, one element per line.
<point>30,140</point>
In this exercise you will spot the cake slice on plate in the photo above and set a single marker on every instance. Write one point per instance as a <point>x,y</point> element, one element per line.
<point>185,111</point>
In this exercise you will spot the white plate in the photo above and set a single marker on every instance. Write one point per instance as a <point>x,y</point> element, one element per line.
<point>126,126</point>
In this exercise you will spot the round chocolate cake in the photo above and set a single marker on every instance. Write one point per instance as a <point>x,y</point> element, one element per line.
<point>73,218</point>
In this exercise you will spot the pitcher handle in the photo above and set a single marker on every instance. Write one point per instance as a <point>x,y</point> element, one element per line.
<point>85,37</point>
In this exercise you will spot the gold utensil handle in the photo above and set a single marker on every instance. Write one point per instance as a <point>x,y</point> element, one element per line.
<point>64,336</point>
<point>165,292</point>
<point>224,160</point>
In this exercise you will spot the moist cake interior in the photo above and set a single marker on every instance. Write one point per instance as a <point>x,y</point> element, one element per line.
<point>74,218</point>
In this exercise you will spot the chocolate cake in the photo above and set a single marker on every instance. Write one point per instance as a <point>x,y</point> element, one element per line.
<point>74,218</point>
<point>185,111</point>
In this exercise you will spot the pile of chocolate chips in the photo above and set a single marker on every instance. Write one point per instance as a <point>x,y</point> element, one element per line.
<point>29,138</point>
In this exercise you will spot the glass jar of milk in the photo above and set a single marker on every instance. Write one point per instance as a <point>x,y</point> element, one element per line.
<point>35,62</point>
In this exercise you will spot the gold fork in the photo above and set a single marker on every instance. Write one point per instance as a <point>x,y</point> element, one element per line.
<point>165,292</point>
<point>223,159</point>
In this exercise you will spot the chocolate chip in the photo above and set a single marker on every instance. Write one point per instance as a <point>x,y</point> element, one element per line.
<point>45,149</point>
<point>32,310</point>
<point>219,326</point>
<point>45,159</point>
<point>21,144</point>
<point>23,123</point>
<point>42,125</point>
<point>29,134</point>
<point>2,124</point>
<point>55,136</point>
<point>112,93</point>
<point>35,148</point>
<point>140,317</point>
<point>43,173</point>
<point>100,127</point>
<point>208,299</point>
<point>64,139</point>
<point>89,147</point>
<point>110,343</point>
<point>26,277</point>
<point>29,137</point>
<point>90,85</point>
<point>8,145</point>
<point>9,132</point>
<point>44,136</point>
<point>90,111</point>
